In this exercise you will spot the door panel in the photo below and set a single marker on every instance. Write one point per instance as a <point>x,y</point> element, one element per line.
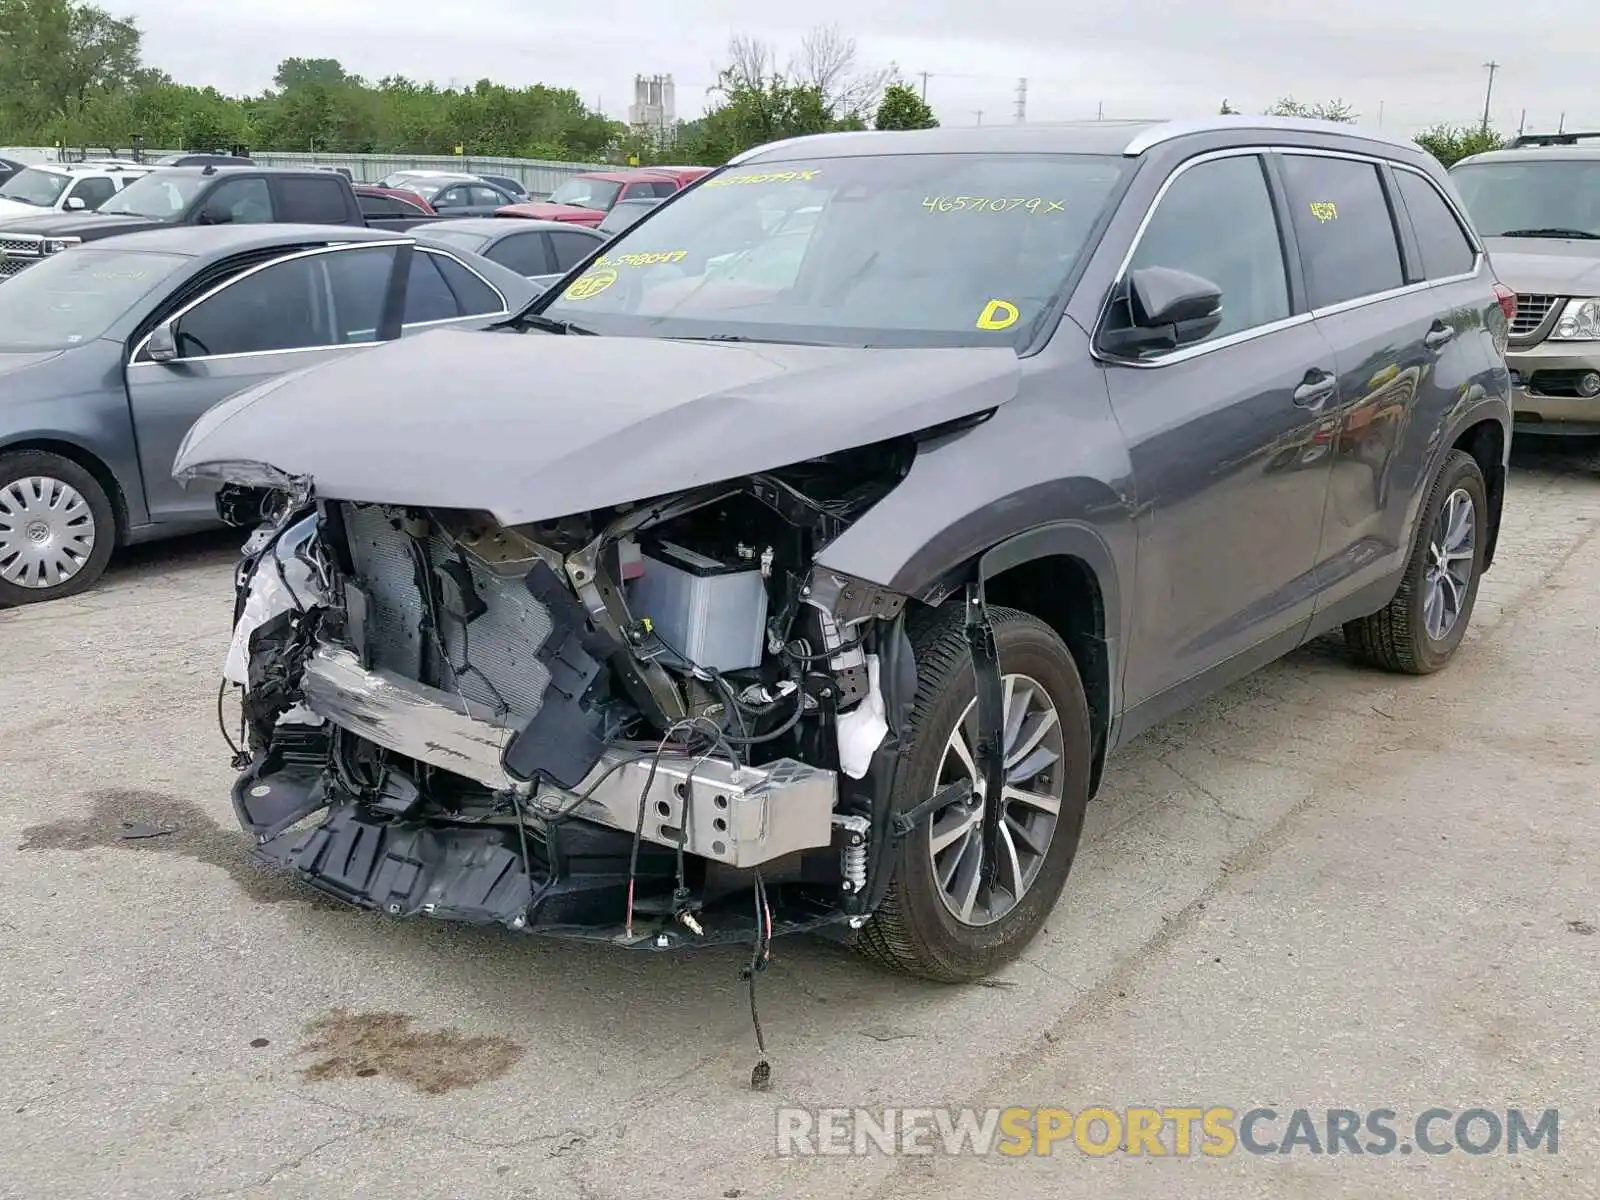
<point>1231,484</point>
<point>1224,439</point>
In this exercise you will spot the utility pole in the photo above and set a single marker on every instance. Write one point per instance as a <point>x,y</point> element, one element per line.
<point>1380,114</point>
<point>1100,111</point>
<point>1022,101</point>
<point>1522,123</point>
<point>978,112</point>
<point>924,75</point>
<point>1491,67</point>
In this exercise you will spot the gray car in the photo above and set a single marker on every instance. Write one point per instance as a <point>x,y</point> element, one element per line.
<point>764,592</point>
<point>109,351</point>
<point>534,249</point>
<point>1538,208</point>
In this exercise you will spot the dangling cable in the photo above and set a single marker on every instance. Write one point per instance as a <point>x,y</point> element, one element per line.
<point>761,1076</point>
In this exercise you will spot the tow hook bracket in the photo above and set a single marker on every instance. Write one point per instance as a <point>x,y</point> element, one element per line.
<point>989,752</point>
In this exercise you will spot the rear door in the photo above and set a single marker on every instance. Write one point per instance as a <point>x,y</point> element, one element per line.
<point>1220,433</point>
<point>314,200</point>
<point>527,252</point>
<point>1397,338</point>
<point>288,313</point>
<point>571,247</point>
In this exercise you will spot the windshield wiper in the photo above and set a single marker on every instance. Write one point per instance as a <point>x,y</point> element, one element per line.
<point>547,324</point>
<point>1582,234</point>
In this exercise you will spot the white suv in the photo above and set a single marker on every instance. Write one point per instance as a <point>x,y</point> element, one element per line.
<point>64,187</point>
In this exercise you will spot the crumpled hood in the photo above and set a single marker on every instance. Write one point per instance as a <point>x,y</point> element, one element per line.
<point>1546,266</point>
<point>536,426</point>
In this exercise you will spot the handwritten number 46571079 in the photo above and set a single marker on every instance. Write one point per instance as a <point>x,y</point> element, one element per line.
<point>1038,204</point>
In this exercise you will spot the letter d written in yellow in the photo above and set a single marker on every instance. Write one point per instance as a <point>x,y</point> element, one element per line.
<point>998,314</point>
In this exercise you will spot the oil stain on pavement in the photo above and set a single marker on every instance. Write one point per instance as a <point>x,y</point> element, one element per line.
<point>360,1045</point>
<point>153,823</point>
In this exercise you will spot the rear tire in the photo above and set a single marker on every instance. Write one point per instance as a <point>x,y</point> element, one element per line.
<point>57,528</point>
<point>1418,631</point>
<point>919,929</point>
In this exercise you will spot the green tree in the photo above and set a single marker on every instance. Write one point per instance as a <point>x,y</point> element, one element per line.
<point>1451,143</point>
<point>56,56</point>
<point>902,108</point>
<point>1227,110</point>
<point>1332,110</point>
<point>296,72</point>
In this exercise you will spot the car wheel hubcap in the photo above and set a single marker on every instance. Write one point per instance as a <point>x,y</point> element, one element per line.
<point>1030,806</point>
<point>47,532</point>
<point>1451,548</point>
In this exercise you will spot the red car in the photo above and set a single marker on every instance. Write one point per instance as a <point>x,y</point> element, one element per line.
<point>382,201</point>
<point>585,199</point>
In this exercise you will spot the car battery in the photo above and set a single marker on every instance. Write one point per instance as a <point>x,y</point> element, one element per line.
<point>712,613</point>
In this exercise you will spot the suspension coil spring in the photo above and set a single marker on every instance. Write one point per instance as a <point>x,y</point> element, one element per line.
<point>853,864</point>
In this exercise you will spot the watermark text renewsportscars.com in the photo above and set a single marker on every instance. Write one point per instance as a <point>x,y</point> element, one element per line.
<point>1199,1131</point>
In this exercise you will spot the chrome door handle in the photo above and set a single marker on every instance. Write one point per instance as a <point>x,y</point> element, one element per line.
<point>1439,335</point>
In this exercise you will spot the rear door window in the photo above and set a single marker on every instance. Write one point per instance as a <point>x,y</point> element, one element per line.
<point>1348,244</point>
<point>476,298</point>
<point>428,296</point>
<point>358,284</point>
<point>1444,246</point>
<point>247,201</point>
<point>523,253</point>
<point>571,248</point>
<point>314,201</point>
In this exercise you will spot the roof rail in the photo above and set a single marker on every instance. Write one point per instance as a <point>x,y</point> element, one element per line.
<point>1221,123</point>
<point>1547,139</point>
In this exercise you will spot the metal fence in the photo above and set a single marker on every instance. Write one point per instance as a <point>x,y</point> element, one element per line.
<point>538,176</point>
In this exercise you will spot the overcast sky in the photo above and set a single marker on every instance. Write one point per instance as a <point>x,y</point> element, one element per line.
<point>1142,58</point>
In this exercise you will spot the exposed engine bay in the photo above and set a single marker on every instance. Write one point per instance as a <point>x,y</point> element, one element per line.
<point>658,724</point>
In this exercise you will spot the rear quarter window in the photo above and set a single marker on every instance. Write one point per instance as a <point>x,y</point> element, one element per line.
<point>315,201</point>
<point>1348,244</point>
<point>1444,245</point>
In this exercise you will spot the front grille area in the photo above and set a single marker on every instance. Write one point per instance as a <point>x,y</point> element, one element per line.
<point>22,246</point>
<point>492,656</point>
<point>1531,313</point>
<point>14,266</point>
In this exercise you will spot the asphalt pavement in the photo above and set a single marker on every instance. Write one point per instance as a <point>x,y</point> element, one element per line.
<point>1324,888</point>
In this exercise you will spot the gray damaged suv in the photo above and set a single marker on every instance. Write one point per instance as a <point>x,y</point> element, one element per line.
<point>772,574</point>
<point>1537,205</point>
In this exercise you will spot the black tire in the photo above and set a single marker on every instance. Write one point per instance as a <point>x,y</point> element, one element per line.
<point>28,464</point>
<point>912,930</point>
<point>1396,638</point>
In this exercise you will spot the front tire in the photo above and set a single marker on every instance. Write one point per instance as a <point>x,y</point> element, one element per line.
<point>57,528</point>
<point>936,921</point>
<point>1419,631</point>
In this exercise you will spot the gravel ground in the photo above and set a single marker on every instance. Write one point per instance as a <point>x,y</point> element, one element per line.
<point>1324,888</point>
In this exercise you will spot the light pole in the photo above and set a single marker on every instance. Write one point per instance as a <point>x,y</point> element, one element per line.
<point>1488,94</point>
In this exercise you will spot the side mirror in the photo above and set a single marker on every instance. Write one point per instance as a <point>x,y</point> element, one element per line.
<point>75,204</point>
<point>215,214</point>
<point>1163,309</point>
<point>163,344</point>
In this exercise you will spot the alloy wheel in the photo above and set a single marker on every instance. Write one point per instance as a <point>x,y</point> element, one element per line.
<point>1451,546</point>
<point>47,532</point>
<point>1030,804</point>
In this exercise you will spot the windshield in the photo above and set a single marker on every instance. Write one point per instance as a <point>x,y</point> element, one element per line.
<point>903,250</point>
<point>73,297</point>
<point>1539,197</point>
<point>598,194</point>
<point>33,186</point>
<point>163,196</point>
<point>455,237</point>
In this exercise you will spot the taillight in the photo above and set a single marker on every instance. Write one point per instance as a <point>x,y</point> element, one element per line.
<point>1507,299</point>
